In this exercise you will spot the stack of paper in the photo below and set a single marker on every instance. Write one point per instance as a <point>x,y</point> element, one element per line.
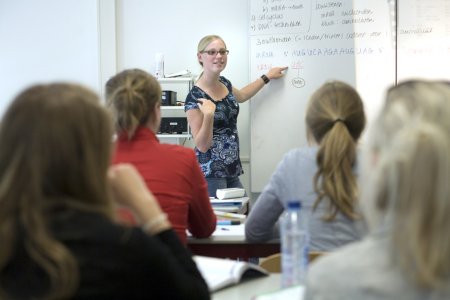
<point>234,205</point>
<point>230,193</point>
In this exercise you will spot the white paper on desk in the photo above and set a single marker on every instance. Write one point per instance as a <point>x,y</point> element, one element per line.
<point>230,230</point>
<point>241,200</point>
<point>295,292</point>
<point>230,209</point>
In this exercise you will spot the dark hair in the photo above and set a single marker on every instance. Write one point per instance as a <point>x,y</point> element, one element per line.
<point>335,119</point>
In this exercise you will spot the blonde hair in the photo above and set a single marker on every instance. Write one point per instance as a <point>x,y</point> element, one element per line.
<point>133,95</point>
<point>335,119</point>
<point>406,190</point>
<point>55,152</point>
<point>203,43</point>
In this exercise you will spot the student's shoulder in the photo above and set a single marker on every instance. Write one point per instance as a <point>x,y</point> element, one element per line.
<point>332,276</point>
<point>301,154</point>
<point>351,258</point>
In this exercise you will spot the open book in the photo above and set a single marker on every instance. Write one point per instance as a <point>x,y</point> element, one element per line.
<point>220,273</point>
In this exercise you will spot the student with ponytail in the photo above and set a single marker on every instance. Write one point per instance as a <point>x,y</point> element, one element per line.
<point>171,172</point>
<point>321,176</point>
<point>405,197</point>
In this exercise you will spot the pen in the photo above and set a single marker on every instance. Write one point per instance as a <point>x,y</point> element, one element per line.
<point>228,222</point>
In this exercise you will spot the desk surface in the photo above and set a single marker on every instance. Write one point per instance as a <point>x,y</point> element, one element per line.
<point>260,288</point>
<point>223,234</point>
<point>229,242</point>
<point>248,289</point>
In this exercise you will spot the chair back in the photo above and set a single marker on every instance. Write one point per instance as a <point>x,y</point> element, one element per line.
<point>272,263</point>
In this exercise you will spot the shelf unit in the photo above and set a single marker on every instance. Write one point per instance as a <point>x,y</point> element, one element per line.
<point>182,86</point>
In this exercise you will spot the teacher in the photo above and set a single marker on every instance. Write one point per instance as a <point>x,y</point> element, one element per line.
<point>212,108</point>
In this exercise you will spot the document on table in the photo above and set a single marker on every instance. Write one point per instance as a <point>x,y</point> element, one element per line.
<point>230,230</point>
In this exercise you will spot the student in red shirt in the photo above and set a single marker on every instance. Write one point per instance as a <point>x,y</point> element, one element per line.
<point>171,172</point>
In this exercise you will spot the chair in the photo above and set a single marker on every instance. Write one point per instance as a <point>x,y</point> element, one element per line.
<point>313,255</point>
<point>272,263</point>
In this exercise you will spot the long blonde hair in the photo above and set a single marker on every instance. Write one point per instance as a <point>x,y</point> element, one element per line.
<point>406,188</point>
<point>335,119</point>
<point>55,150</point>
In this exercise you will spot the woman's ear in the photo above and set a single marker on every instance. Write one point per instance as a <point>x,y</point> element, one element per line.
<point>155,118</point>
<point>199,58</point>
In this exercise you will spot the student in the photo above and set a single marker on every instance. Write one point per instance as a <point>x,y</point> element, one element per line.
<point>212,107</point>
<point>406,198</point>
<point>322,177</point>
<point>170,171</point>
<point>57,233</point>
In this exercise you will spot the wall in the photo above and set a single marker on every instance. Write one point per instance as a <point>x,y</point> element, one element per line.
<point>46,41</point>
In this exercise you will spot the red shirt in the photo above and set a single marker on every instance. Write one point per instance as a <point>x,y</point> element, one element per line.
<point>173,175</point>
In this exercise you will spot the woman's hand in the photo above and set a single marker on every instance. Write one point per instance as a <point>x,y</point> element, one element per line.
<point>128,187</point>
<point>207,107</point>
<point>276,72</point>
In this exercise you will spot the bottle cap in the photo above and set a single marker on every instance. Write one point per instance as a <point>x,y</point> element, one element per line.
<point>294,204</point>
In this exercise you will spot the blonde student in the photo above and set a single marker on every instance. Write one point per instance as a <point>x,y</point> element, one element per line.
<point>406,198</point>
<point>322,176</point>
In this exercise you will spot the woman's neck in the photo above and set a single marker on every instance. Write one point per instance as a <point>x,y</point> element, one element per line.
<point>209,79</point>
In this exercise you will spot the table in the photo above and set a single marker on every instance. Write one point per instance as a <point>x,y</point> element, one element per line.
<point>229,242</point>
<point>250,288</point>
<point>260,288</point>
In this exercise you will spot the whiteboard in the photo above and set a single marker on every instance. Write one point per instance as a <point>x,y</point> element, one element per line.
<point>318,40</point>
<point>423,39</point>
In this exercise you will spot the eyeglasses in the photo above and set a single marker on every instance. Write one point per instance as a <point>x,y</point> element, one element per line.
<point>214,52</point>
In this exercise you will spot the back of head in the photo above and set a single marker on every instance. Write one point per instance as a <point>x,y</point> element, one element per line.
<point>55,151</point>
<point>407,191</point>
<point>335,120</point>
<point>133,96</point>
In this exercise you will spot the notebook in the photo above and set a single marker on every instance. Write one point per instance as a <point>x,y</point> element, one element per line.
<point>220,273</point>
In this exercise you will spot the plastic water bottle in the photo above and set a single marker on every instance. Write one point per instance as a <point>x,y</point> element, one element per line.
<point>159,68</point>
<point>294,245</point>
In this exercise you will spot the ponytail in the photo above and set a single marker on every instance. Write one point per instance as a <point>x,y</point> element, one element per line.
<point>334,178</point>
<point>132,95</point>
<point>335,119</point>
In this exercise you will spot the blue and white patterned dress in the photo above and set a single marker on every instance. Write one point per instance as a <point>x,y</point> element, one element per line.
<point>222,159</point>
